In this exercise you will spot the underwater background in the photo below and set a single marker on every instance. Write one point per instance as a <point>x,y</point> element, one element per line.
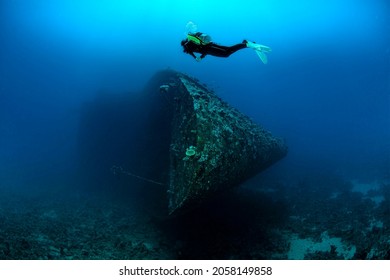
<point>70,70</point>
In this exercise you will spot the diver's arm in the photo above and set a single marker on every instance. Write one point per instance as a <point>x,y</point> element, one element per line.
<point>198,59</point>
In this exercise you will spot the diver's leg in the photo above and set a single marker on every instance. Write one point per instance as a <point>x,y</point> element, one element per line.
<point>237,47</point>
<point>223,51</point>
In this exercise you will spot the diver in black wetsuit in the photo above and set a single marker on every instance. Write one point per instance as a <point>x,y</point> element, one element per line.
<point>201,43</point>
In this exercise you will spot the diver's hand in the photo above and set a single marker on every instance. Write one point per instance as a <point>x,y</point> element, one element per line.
<point>198,59</point>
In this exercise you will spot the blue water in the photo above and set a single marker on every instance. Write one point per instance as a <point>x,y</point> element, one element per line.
<point>325,89</point>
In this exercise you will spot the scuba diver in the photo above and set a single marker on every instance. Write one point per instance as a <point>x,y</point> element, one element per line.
<point>198,42</point>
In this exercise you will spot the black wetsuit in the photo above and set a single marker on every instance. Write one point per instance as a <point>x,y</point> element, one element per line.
<point>211,48</point>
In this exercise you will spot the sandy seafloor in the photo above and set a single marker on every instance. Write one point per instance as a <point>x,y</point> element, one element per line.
<point>306,220</point>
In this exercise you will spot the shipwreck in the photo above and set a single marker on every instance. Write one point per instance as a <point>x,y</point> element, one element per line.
<point>192,141</point>
<point>212,146</point>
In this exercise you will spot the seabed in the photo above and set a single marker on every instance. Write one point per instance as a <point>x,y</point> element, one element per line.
<point>346,220</point>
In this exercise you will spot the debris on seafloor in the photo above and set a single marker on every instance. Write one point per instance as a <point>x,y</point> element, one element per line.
<point>212,146</point>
